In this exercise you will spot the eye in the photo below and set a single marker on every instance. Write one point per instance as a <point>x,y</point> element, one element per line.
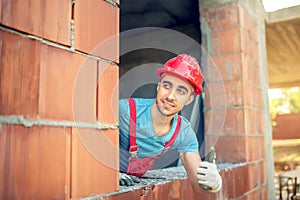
<point>181,91</point>
<point>166,85</point>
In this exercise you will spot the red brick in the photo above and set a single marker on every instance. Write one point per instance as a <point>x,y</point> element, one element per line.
<point>32,170</point>
<point>247,22</point>
<point>108,93</point>
<point>85,92</point>
<point>130,195</point>
<point>262,173</point>
<point>249,47</point>
<point>221,17</point>
<point>64,77</point>
<point>51,138</point>
<point>235,148</point>
<point>252,95</point>
<point>214,122</point>
<point>255,147</point>
<point>263,149</point>
<point>234,121</point>
<point>264,192</point>
<point>251,70</point>
<point>187,192</point>
<point>237,179</point>
<point>1,11</point>
<point>91,16</point>
<point>3,159</point>
<point>253,121</point>
<point>174,190</point>
<point>226,41</point>
<point>215,94</point>
<point>253,52</point>
<point>250,121</point>
<point>19,75</point>
<point>226,67</point>
<point>108,49</point>
<point>226,93</point>
<point>247,67</point>
<point>1,42</point>
<point>38,18</point>
<point>258,102</point>
<point>95,167</point>
<point>260,123</point>
<point>240,181</point>
<point>257,79</point>
<point>234,93</point>
<point>248,93</point>
<point>253,173</point>
<point>152,192</point>
<point>256,194</point>
<point>166,190</point>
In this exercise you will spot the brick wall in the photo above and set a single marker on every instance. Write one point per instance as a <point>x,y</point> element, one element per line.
<point>232,43</point>
<point>58,94</point>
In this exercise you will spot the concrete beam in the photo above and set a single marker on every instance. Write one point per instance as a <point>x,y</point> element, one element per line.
<point>284,14</point>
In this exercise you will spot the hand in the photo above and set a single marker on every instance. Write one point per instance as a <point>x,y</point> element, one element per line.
<point>128,180</point>
<point>208,175</point>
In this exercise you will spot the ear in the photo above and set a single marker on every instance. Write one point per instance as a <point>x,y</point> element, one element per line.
<point>190,100</point>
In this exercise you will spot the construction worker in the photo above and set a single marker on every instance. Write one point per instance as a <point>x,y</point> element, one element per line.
<point>150,127</point>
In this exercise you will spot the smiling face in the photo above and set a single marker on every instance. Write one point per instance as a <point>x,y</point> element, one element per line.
<point>173,93</point>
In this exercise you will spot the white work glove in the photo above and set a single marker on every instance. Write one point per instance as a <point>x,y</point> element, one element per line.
<point>208,175</point>
<point>128,180</point>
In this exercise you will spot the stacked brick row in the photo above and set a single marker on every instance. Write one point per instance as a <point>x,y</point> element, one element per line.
<point>234,91</point>
<point>58,98</point>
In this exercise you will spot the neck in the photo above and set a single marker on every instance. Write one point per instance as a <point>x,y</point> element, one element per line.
<point>161,123</point>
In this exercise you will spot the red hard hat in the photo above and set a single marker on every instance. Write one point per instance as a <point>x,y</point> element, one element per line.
<point>184,66</point>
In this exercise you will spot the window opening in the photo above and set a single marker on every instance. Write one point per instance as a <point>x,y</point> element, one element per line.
<point>177,15</point>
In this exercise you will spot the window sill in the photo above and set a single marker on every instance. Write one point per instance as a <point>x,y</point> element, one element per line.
<point>159,177</point>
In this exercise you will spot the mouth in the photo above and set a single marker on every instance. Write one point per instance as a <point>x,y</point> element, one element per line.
<point>167,104</point>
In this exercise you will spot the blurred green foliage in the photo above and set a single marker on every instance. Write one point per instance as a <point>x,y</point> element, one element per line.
<point>287,102</point>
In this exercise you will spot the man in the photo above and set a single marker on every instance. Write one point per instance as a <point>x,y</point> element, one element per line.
<point>150,127</point>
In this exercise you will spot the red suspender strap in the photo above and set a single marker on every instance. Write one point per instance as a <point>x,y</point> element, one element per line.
<point>173,138</point>
<point>133,148</point>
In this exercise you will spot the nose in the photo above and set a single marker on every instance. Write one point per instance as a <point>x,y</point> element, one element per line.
<point>171,95</point>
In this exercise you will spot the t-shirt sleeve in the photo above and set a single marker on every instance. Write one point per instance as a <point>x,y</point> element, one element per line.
<point>189,142</point>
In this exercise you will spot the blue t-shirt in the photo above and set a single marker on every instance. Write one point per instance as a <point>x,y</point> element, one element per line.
<point>149,144</point>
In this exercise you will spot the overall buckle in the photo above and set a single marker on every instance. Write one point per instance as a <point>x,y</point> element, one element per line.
<point>133,151</point>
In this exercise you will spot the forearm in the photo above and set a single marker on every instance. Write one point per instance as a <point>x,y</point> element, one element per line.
<point>191,163</point>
